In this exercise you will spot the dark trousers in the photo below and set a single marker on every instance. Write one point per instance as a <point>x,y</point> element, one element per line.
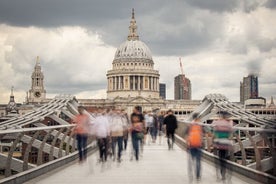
<point>82,146</point>
<point>125,139</point>
<point>125,143</point>
<point>222,154</point>
<point>135,144</point>
<point>170,135</point>
<point>103,148</point>
<point>195,154</point>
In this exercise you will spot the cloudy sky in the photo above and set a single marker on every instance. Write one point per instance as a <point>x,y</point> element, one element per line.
<point>219,42</point>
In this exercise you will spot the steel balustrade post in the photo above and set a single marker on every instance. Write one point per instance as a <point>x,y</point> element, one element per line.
<point>41,148</point>
<point>242,148</point>
<point>51,156</point>
<point>257,153</point>
<point>28,150</point>
<point>272,151</point>
<point>69,143</point>
<point>10,155</point>
<point>62,143</point>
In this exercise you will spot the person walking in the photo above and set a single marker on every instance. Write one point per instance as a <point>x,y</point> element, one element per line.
<point>222,129</point>
<point>125,133</point>
<point>102,131</point>
<point>160,119</point>
<point>194,137</point>
<point>170,123</point>
<point>154,128</point>
<point>116,131</point>
<point>81,131</point>
<point>149,126</point>
<point>137,128</point>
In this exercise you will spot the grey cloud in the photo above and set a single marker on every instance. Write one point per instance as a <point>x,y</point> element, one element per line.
<point>184,32</point>
<point>52,13</point>
<point>254,66</point>
<point>265,44</point>
<point>271,4</point>
<point>111,20</point>
<point>250,5</point>
<point>215,5</point>
<point>66,80</point>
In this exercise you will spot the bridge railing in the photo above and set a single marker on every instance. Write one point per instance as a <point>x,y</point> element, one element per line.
<point>26,148</point>
<point>253,148</point>
<point>29,152</point>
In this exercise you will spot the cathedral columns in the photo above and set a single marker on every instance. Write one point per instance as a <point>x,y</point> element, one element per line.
<point>114,84</point>
<point>127,82</point>
<point>119,82</point>
<point>133,82</point>
<point>139,83</point>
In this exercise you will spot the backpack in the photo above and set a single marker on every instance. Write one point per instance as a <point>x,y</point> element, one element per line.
<point>195,136</point>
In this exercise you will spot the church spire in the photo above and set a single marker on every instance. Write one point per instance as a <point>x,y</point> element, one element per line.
<point>11,107</point>
<point>12,91</point>
<point>133,28</point>
<point>272,102</point>
<point>271,105</point>
<point>11,96</point>
<point>37,60</point>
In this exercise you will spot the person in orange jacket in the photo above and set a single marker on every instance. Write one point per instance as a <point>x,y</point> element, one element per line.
<point>81,131</point>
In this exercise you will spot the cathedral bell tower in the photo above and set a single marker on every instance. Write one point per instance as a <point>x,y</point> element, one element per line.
<point>37,93</point>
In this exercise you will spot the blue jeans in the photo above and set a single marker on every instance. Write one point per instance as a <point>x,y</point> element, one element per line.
<point>195,154</point>
<point>118,140</point>
<point>82,144</point>
<point>135,144</point>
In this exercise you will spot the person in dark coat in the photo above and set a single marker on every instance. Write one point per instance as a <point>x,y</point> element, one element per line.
<point>171,124</point>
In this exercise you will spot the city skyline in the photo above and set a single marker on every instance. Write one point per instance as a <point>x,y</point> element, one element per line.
<point>219,43</point>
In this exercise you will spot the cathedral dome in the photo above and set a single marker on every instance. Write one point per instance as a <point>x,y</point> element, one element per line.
<point>132,71</point>
<point>133,49</point>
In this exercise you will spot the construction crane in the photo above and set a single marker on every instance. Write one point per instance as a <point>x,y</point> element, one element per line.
<point>183,77</point>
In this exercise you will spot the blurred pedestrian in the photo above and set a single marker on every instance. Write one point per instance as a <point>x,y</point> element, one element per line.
<point>194,137</point>
<point>102,131</point>
<point>170,123</point>
<point>137,130</point>
<point>81,130</point>
<point>160,119</point>
<point>117,131</point>
<point>125,133</point>
<point>222,130</point>
<point>154,127</point>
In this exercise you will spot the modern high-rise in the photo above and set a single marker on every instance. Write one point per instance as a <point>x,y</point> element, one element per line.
<point>162,90</point>
<point>249,88</point>
<point>182,88</point>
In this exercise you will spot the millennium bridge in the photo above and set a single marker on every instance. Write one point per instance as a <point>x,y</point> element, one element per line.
<point>41,148</point>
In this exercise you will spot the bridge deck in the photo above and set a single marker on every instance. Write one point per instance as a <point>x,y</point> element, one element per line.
<point>157,165</point>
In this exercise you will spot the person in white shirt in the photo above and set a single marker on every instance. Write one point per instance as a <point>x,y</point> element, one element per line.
<point>117,126</point>
<point>102,132</point>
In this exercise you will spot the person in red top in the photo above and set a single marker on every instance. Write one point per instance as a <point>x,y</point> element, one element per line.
<point>81,132</point>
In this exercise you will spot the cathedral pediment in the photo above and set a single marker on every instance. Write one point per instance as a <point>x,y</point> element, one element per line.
<point>139,99</point>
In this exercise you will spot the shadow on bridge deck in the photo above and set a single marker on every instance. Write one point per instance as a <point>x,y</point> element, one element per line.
<point>156,165</point>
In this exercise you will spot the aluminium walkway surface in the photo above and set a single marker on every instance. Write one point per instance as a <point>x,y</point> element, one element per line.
<point>156,165</point>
